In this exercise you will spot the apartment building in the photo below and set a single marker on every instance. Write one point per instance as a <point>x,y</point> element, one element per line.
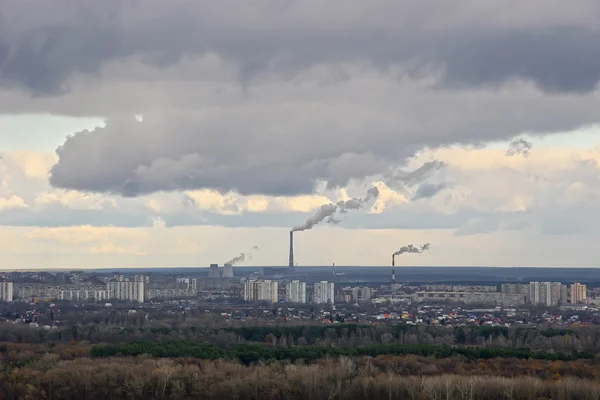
<point>119,290</point>
<point>295,292</point>
<point>578,293</point>
<point>6,291</point>
<point>324,292</point>
<point>261,290</point>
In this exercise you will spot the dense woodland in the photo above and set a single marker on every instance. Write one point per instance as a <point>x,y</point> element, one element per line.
<point>407,377</point>
<point>339,335</point>
<point>133,356</point>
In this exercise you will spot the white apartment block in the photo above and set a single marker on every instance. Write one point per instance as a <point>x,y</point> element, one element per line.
<point>549,294</point>
<point>495,298</point>
<point>295,292</point>
<point>120,290</point>
<point>191,283</point>
<point>361,294</point>
<point>6,291</point>
<point>578,293</point>
<point>324,292</point>
<point>261,290</point>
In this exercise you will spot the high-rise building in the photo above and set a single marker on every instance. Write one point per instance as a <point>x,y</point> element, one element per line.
<point>228,271</point>
<point>213,271</point>
<point>295,292</point>
<point>578,293</point>
<point>6,291</point>
<point>361,294</point>
<point>514,288</point>
<point>119,290</point>
<point>324,292</point>
<point>261,290</point>
<point>549,294</point>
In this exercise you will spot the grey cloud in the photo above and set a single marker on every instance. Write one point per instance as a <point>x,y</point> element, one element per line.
<point>555,48</point>
<point>428,190</point>
<point>411,178</point>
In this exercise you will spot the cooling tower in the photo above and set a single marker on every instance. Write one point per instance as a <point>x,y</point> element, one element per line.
<point>213,271</point>
<point>291,268</point>
<point>227,271</point>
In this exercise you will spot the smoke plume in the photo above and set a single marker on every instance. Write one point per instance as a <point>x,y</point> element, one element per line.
<point>242,257</point>
<point>327,211</point>
<point>412,249</point>
<point>519,146</point>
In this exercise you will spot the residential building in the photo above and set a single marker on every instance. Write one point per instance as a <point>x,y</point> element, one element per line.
<point>490,298</point>
<point>295,292</point>
<point>549,294</point>
<point>261,290</point>
<point>169,294</point>
<point>119,290</point>
<point>578,293</point>
<point>324,292</point>
<point>362,294</point>
<point>189,283</point>
<point>6,291</point>
<point>514,288</point>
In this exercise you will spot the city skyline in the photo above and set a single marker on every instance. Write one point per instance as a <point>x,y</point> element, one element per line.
<point>192,149</point>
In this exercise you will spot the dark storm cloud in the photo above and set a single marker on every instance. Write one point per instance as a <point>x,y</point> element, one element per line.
<point>130,158</point>
<point>40,52</point>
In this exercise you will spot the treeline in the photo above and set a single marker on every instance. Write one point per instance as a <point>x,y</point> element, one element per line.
<point>338,335</point>
<point>251,353</point>
<point>341,378</point>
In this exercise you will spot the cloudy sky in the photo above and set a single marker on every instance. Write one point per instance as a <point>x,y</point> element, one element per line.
<point>180,133</point>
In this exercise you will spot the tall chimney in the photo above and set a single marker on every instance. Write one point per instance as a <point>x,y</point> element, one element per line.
<point>291,268</point>
<point>393,269</point>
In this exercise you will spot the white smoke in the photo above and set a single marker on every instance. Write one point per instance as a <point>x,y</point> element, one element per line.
<point>327,211</point>
<point>242,257</point>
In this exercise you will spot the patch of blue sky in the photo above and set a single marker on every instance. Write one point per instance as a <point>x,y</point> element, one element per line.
<point>40,132</point>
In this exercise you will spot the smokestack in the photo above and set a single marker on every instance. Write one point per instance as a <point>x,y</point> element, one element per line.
<point>291,268</point>
<point>393,268</point>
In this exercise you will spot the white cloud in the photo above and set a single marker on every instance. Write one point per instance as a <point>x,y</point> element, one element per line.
<point>11,203</point>
<point>234,204</point>
<point>74,200</point>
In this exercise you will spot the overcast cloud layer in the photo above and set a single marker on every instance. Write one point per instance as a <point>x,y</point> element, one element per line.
<point>256,113</point>
<point>270,97</point>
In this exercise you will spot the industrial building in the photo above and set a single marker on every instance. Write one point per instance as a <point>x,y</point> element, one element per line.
<point>213,271</point>
<point>228,271</point>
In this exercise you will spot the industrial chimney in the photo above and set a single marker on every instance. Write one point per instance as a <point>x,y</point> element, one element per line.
<point>291,267</point>
<point>393,269</point>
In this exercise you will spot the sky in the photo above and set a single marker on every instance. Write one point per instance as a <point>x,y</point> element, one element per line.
<point>146,134</point>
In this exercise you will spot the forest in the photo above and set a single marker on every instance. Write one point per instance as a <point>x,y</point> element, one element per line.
<point>136,358</point>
